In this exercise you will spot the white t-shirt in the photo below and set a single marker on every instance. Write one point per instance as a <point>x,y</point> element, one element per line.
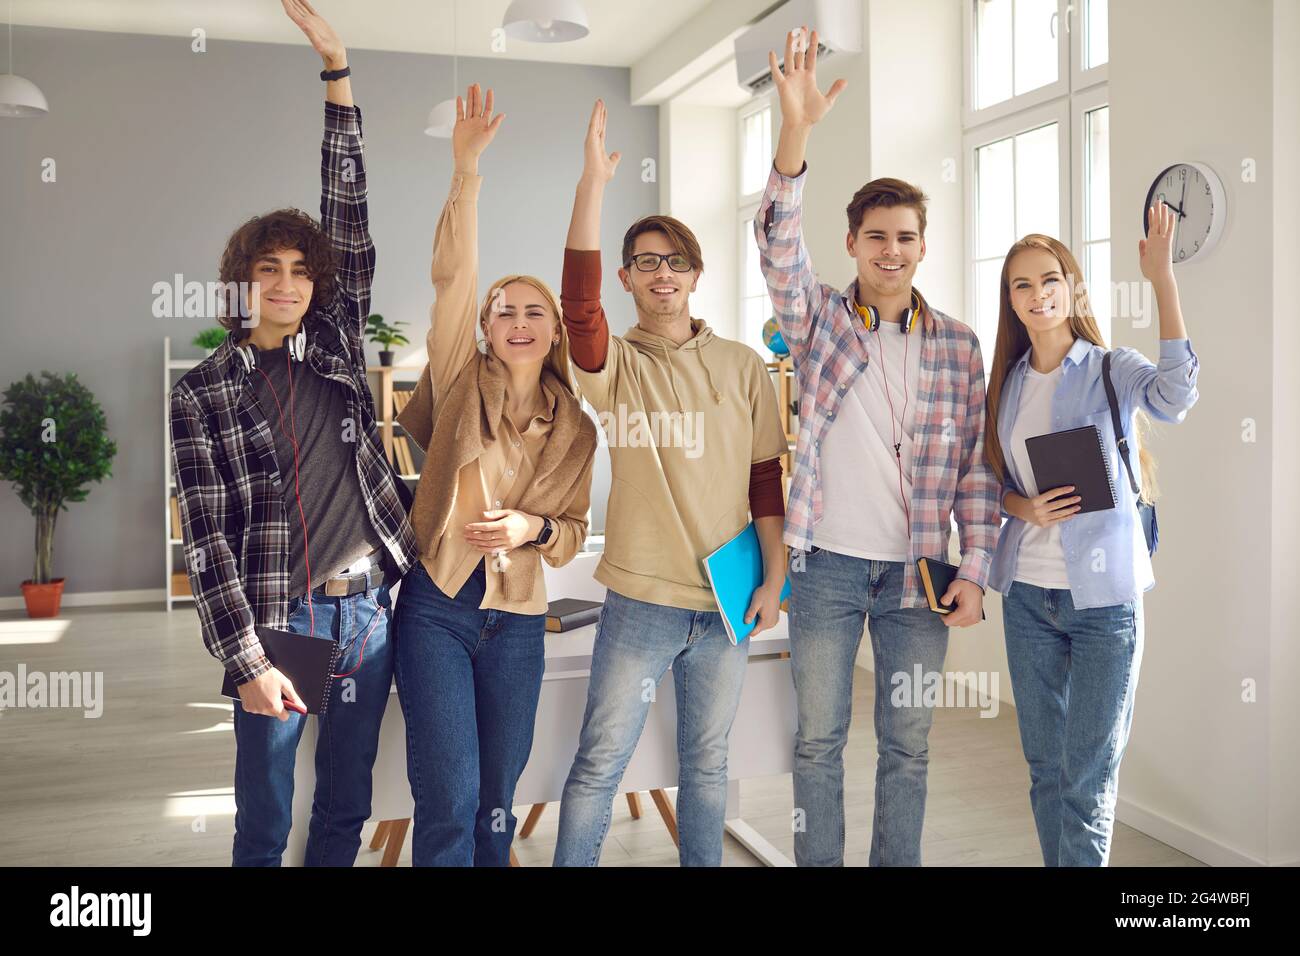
<point>1041,560</point>
<point>862,508</point>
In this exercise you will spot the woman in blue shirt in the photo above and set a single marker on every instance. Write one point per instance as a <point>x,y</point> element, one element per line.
<point>1072,583</point>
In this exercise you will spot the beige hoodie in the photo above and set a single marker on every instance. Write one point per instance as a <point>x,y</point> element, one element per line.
<point>684,425</point>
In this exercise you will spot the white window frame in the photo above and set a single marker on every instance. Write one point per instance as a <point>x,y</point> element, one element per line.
<point>1066,102</point>
<point>1081,78</point>
<point>1010,126</point>
<point>756,105</point>
<point>1081,104</point>
<point>1016,102</point>
<point>747,203</point>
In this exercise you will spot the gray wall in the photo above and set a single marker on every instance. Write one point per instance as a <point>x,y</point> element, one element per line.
<point>162,152</point>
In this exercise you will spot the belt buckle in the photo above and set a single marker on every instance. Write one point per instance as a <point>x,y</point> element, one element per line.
<point>337,587</point>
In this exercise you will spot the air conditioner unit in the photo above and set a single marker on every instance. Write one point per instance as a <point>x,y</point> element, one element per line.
<point>839,31</point>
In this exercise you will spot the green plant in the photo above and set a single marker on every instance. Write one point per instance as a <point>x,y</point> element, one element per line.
<point>53,443</point>
<point>377,330</point>
<point>209,339</point>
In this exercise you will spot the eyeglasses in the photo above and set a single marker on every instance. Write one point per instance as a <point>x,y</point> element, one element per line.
<point>649,261</point>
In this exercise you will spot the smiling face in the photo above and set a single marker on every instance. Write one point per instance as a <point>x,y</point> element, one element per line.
<point>280,296</point>
<point>521,326</point>
<point>887,247</point>
<point>661,296</point>
<point>1038,289</point>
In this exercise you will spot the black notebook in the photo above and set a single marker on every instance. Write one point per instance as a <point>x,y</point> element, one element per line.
<point>568,613</point>
<point>936,578</point>
<point>1074,457</point>
<point>306,660</point>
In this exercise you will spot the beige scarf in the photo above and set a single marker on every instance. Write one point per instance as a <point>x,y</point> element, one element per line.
<point>468,422</point>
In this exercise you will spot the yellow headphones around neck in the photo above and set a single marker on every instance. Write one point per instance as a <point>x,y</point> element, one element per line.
<point>871,315</point>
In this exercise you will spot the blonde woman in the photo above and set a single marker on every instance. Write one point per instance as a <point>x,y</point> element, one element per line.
<point>506,483</point>
<point>1072,582</point>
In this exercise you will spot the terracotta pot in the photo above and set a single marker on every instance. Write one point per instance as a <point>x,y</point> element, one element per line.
<point>43,599</point>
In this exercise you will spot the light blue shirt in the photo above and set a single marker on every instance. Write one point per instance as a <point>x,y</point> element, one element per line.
<point>1106,556</point>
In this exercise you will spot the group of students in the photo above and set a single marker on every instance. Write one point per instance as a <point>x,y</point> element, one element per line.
<point>896,438</point>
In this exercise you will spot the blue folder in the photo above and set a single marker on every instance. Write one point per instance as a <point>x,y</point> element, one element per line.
<point>735,571</point>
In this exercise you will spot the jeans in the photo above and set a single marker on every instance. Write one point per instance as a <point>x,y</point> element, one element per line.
<point>345,749</point>
<point>830,600</point>
<point>636,643</point>
<point>468,680</point>
<point>1074,674</point>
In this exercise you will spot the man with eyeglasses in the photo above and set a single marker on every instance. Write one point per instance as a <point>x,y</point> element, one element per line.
<point>695,441</point>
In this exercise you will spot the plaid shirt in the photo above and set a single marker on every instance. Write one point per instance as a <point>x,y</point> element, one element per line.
<point>223,456</point>
<point>828,343</point>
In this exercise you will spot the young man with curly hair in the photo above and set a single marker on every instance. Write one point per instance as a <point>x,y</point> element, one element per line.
<point>292,517</point>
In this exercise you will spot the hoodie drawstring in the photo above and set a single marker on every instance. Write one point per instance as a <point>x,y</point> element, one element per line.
<point>717,396</point>
<point>672,378</point>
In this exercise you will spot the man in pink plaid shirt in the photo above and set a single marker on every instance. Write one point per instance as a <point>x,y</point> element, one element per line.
<point>890,450</point>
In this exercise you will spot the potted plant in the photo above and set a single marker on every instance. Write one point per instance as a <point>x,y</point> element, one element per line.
<point>385,335</point>
<point>53,443</point>
<point>209,339</point>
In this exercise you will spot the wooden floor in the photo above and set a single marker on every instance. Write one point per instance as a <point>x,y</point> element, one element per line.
<point>150,781</point>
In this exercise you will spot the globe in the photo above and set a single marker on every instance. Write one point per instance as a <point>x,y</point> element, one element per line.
<point>772,338</point>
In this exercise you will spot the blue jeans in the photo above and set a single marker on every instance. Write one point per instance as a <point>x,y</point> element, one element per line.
<point>469,681</point>
<point>831,599</point>
<point>1074,674</point>
<point>636,643</point>
<point>345,748</point>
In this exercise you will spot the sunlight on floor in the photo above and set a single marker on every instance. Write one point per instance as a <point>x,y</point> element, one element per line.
<point>18,632</point>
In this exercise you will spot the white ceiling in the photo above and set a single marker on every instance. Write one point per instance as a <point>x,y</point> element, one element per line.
<point>622,31</point>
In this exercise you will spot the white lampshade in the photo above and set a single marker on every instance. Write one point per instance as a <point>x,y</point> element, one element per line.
<point>21,97</point>
<point>442,119</point>
<point>545,21</point>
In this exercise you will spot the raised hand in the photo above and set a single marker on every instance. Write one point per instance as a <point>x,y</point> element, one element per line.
<point>597,164</point>
<point>475,127</point>
<point>322,36</point>
<point>1155,252</point>
<point>802,104</point>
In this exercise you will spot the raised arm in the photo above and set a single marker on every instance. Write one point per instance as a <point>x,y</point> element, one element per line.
<point>1168,389</point>
<point>344,214</point>
<point>583,315</point>
<point>778,226</point>
<point>454,268</point>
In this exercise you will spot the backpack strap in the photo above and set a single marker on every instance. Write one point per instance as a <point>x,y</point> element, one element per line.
<point>1120,439</point>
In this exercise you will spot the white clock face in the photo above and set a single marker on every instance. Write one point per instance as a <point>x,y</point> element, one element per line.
<point>1196,196</point>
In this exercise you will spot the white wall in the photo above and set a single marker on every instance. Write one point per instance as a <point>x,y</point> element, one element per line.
<point>1284,704</point>
<point>1197,770</point>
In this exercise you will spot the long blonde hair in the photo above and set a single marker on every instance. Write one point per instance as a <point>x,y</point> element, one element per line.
<point>1013,341</point>
<point>557,359</point>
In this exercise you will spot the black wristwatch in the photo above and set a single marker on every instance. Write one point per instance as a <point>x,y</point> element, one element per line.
<point>335,74</point>
<point>544,535</point>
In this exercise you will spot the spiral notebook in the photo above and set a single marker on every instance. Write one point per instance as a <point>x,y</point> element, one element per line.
<point>1074,457</point>
<point>306,660</point>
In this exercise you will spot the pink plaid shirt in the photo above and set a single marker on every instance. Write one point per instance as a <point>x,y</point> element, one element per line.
<point>828,343</point>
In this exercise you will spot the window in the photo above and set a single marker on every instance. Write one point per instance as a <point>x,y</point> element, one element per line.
<point>1037,143</point>
<point>1095,226</point>
<point>755,160</point>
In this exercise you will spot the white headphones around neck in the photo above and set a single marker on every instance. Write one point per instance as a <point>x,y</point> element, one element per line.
<point>296,344</point>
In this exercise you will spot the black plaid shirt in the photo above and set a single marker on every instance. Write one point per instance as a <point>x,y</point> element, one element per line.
<point>236,530</point>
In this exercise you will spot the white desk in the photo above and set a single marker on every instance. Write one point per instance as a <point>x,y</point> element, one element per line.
<point>761,743</point>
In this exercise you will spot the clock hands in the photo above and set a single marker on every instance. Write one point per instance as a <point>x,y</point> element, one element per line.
<point>1181,215</point>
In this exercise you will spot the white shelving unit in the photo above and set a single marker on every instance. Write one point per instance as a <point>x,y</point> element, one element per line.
<point>172,547</point>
